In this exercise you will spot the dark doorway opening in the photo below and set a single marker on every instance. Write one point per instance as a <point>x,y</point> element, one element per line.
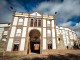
<point>35,47</point>
<point>15,47</point>
<point>35,41</point>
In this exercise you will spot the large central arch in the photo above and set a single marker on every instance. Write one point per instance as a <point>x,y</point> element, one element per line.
<point>34,41</point>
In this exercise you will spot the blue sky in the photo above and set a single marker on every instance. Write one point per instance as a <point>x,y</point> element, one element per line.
<point>68,11</point>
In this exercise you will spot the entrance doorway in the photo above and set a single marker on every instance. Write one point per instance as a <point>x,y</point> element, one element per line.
<point>34,41</point>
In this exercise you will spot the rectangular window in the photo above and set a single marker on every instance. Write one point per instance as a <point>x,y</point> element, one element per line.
<point>31,24</point>
<point>35,23</point>
<point>49,44</point>
<point>15,21</point>
<point>48,23</point>
<point>39,23</point>
<point>20,22</point>
<point>16,45</point>
<point>4,36</point>
<point>18,32</point>
<point>6,28</point>
<point>48,33</point>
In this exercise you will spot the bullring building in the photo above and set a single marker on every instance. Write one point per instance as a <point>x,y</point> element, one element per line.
<point>37,33</point>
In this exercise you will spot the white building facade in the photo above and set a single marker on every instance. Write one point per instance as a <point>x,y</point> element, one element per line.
<point>36,33</point>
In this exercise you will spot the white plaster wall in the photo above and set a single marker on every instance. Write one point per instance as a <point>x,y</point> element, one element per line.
<point>52,23</point>
<point>72,43</point>
<point>10,43</point>
<point>33,14</point>
<point>63,32</point>
<point>12,31</point>
<point>71,35</point>
<point>38,14</point>
<point>64,36</point>
<point>51,17</point>
<point>67,39</point>
<point>44,44</point>
<point>22,45</point>
<point>24,31</point>
<point>45,16</point>
<point>44,32</point>
<point>3,25</point>
<point>66,32</point>
<point>57,27</point>
<point>66,28</point>
<point>53,32</point>
<point>15,21</point>
<point>60,31</point>
<point>65,43</point>
<point>61,28</point>
<point>20,15</point>
<point>44,22</point>
<point>1,31</point>
<point>25,21</point>
<point>54,43</point>
<point>75,37</point>
<point>48,32</point>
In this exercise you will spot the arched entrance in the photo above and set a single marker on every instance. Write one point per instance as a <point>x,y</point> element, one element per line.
<point>34,41</point>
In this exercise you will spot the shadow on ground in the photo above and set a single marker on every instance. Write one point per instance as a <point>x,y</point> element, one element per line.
<point>56,57</point>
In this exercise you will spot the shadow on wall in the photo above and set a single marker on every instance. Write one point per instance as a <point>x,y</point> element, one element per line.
<point>57,57</point>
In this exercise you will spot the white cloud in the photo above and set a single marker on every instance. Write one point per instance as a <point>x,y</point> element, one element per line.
<point>77,29</point>
<point>66,9</point>
<point>78,24</point>
<point>67,24</point>
<point>78,34</point>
